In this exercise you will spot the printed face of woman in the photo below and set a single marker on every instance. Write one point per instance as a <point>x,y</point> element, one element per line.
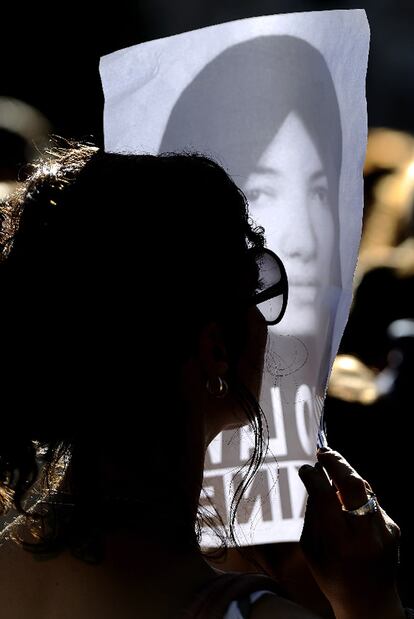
<point>288,196</point>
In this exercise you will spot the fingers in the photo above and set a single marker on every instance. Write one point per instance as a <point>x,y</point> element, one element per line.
<point>348,554</point>
<point>323,517</point>
<point>352,490</point>
<point>319,488</point>
<point>349,490</point>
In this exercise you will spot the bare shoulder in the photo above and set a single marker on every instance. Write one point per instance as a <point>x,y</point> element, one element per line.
<point>16,567</point>
<point>275,607</point>
<point>10,559</point>
<point>24,582</point>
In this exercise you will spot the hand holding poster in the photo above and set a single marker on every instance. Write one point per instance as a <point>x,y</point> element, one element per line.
<point>278,101</point>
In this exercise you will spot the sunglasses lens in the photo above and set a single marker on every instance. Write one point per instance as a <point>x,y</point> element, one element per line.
<point>272,287</point>
<point>271,309</point>
<point>269,271</point>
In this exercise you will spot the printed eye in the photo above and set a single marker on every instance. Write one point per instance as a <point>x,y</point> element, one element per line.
<point>320,193</point>
<point>253,195</point>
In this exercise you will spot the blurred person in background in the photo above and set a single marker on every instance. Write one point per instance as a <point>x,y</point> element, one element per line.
<point>23,133</point>
<point>385,291</point>
<point>370,393</point>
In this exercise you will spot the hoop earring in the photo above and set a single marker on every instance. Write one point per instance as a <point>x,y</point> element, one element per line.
<point>219,391</point>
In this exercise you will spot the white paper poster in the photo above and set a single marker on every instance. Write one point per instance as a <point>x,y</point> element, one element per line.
<point>279,101</point>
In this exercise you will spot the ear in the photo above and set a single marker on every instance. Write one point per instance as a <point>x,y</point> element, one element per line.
<point>213,356</point>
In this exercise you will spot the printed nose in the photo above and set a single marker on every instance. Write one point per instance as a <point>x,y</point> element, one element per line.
<point>299,240</point>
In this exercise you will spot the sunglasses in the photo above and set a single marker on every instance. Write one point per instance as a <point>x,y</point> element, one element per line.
<point>271,295</point>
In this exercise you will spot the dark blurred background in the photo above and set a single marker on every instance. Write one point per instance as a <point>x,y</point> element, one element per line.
<point>50,51</point>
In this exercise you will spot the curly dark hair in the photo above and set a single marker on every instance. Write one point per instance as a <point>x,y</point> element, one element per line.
<point>110,265</point>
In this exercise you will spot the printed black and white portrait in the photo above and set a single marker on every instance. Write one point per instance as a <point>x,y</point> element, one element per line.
<point>274,101</point>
